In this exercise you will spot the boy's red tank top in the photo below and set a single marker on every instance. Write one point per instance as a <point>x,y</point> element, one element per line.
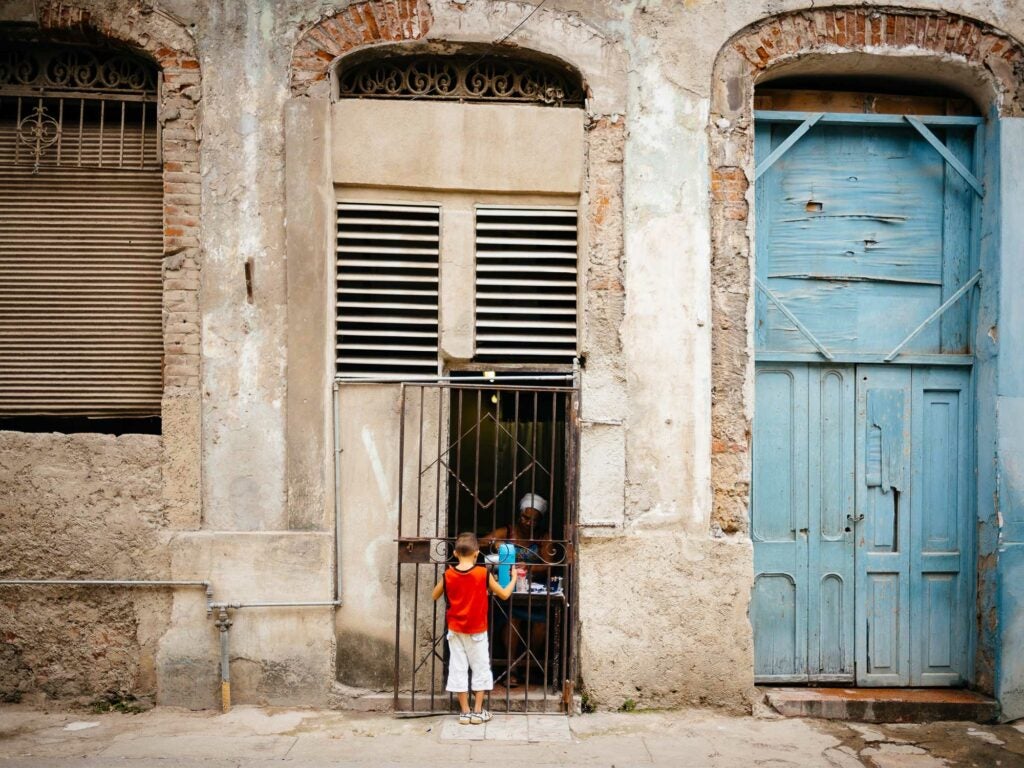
<point>466,593</point>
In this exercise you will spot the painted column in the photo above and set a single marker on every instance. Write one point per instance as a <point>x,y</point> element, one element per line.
<point>1009,418</point>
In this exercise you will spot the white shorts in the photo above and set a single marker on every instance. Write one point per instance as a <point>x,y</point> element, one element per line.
<point>469,652</point>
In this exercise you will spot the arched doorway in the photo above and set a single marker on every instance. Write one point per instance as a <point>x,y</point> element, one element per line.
<point>867,207</point>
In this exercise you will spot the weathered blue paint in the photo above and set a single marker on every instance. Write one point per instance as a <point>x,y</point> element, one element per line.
<point>947,155</point>
<point>882,549</point>
<point>778,524</point>
<point>863,233</point>
<point>861,518</point>
<point>792,139</point>
<point>802,506</point>
<point>1009,423</point>
<point>856,118</point>
<point>940,508</point>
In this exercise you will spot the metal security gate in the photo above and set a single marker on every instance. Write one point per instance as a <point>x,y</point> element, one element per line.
<point>862,488</point>
<point>468,454</point>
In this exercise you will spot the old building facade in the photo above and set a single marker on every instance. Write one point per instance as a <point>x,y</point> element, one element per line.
<point>596,242</point>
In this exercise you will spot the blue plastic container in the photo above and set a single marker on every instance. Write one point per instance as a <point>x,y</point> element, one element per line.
<point>506,559</point>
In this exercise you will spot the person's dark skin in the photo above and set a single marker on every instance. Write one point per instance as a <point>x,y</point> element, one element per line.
<point>523,534</point>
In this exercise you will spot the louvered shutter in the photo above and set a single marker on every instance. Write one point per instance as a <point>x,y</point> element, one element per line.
<point>80,276</point>
<point>526,284</point>
<point>387,289</point>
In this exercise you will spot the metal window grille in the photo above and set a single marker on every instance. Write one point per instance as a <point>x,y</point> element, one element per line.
<point>77,107</point>
<point>526,284</point>
<point>81,234</point>
<point>387,289</point>
<point>461,78</point>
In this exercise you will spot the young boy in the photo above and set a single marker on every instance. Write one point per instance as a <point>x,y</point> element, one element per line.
<point>465,587</point>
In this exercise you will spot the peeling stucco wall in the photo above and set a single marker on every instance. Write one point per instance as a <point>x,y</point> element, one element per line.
<point>87,507</point>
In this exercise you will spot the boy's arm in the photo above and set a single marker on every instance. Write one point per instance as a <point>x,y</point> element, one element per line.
<point>500,591</point>
<point>439,588</point>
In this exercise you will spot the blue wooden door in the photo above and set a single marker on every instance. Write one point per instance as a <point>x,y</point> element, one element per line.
<point>913,543</point>
<point>801,511</point>
<point>862,445</point>
<point>861,524</point>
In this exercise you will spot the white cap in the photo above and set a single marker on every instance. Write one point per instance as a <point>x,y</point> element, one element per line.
<point>533,501</point>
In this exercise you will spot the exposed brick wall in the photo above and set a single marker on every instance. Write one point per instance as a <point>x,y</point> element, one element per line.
<point>173,49</point>
<point>360,24</point>
<point>994,56</point>
<point>765,44</point>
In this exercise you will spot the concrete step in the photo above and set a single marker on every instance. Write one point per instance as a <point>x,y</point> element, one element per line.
<point>883,705</point>
<point>536,700</point>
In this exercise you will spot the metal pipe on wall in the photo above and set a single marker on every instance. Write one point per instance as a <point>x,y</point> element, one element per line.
<point>337,496</point>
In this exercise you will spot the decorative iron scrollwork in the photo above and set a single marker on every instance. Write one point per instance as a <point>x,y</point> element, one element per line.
<point>60,68</point>
<point>460,78</point>
<point>38,131</point>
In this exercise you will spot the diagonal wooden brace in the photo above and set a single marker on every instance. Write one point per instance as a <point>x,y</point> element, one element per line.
<point>792,139</point>
<point>934,315</point>
<point>792,318</point>
<point>948,156</point>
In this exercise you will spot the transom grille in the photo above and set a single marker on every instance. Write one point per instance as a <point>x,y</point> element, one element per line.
<point>387,289</point>
<point>79,107</point>
<point>460,78</point>
<point>526,284</point>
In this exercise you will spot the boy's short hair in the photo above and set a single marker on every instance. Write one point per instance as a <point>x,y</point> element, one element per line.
<point>466,544</point>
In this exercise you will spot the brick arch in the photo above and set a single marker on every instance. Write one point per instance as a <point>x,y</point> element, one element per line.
<point>961,45</point>
<point>170,45</point>
<point>360,24</point>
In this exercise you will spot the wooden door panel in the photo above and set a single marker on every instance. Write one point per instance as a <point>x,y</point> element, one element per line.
<point>778,608</point>
<point>883,534</point>
<point>940,520</point>
<point>830,536</point>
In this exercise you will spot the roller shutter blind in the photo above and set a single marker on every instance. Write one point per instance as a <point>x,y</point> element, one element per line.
<point>81,245</point>
<point>387,290</point>
<point>526,284</point>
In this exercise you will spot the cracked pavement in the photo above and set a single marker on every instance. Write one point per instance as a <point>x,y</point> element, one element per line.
<point>255,737</point>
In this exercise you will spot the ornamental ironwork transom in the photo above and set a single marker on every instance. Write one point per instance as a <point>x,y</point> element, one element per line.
<point>63,106</point>
<point>60,68</point>
<point>461,78</point>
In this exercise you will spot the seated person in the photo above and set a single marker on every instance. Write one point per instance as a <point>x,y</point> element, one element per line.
<point>522,533</point>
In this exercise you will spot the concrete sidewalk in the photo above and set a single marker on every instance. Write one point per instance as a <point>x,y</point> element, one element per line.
<point>252,737</point>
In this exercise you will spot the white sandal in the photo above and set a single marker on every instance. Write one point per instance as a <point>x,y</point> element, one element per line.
<point>465,718</point>
<point>481,717</point>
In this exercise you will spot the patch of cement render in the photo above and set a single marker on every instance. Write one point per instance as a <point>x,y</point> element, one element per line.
<point>664,621</point>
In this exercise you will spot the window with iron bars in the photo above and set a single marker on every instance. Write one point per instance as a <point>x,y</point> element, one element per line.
<point>81,236</point>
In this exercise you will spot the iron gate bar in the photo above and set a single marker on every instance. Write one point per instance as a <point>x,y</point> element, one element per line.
<point>488,382</point>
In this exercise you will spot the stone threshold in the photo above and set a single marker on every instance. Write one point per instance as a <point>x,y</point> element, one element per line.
<point>883,705</point>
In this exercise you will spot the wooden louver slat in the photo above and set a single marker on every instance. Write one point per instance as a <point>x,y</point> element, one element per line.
<point>80,289</point>
<point>526,284</point>
<point>387,290</point>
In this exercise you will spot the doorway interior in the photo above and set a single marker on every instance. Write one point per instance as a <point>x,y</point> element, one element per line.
<point>472,453</point>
